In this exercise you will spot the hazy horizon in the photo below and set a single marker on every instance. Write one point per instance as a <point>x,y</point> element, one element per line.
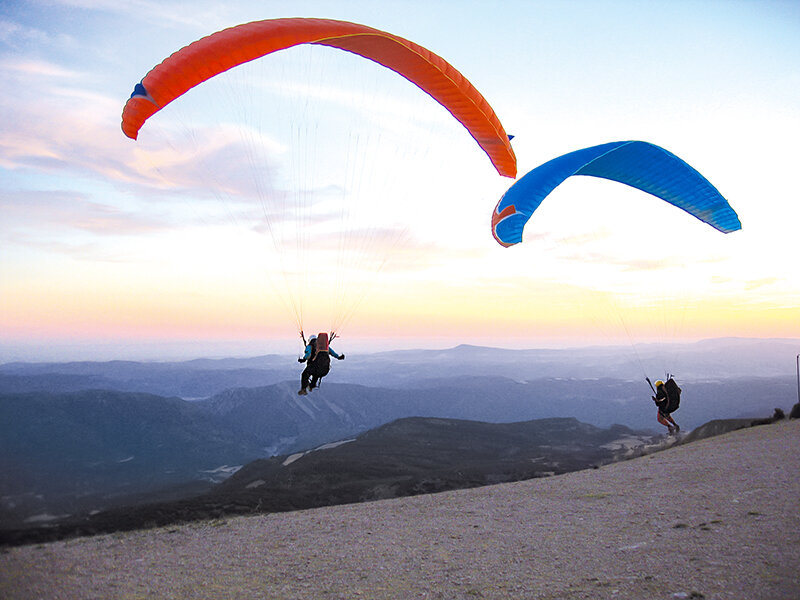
<point>185,350</point>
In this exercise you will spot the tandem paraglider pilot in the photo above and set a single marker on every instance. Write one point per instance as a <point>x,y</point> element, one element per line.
<point>318,362</point>
<point>667,399</point>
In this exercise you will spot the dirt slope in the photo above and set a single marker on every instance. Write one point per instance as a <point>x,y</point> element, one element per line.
<point>715,519</point>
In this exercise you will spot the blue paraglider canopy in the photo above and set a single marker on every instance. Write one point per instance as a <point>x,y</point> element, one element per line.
<point>638,164</point>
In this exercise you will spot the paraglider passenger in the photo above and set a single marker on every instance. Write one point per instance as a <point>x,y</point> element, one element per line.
<point>667,400</point>
<point>318,362</point>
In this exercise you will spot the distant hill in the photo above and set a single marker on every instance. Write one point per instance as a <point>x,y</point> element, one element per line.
<point>62,453</point>
<point>190,379</point>
<point>717,427</point>
<point>424,455</point>
<point>70,452</point>
<point>708,360</point>
<point>286,422</point>
<point>406,457</point>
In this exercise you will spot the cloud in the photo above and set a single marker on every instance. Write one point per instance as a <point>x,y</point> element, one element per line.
<point>218,159</point>
<point>73,130</point>
<point>370,250</point>
<point>219,169</point>
<point>755,284</point>
<point>614,259</point>
<point>16,35</point>
<point>576,240</point>
<point>52,121</point>
<point>60,126</point>
<point>64,129</point>
<point>80,250</point>
<point>172,13</point>
<point>32,215</point>
<point>606,248</point>
<point>34,68</point>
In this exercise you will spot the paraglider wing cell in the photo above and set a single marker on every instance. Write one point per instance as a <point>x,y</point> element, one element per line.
<point>226,49</point>
<point>641,165</point>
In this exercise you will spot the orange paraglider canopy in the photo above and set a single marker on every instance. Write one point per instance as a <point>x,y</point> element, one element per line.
<point>228,48</point>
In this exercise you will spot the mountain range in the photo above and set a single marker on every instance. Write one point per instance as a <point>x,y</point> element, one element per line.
<point>201,378</point>
<point>83,437</point>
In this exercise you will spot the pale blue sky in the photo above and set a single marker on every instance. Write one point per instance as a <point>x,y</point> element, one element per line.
<point>87,254</point>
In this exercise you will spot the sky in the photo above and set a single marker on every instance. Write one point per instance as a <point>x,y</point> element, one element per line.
<point>317,189</point>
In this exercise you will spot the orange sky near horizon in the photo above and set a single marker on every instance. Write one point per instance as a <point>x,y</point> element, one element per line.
<point>444,316</point>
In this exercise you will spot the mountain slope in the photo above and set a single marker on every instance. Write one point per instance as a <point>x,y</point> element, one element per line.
<point>65,452</point>
<point>422,455</point>
<point>406,457</point>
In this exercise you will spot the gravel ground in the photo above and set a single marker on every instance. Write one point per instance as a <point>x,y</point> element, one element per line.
<point>714,519</point>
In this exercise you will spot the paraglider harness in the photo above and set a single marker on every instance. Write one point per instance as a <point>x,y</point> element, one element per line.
<point>319,363</point>
<point>668,397</point>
